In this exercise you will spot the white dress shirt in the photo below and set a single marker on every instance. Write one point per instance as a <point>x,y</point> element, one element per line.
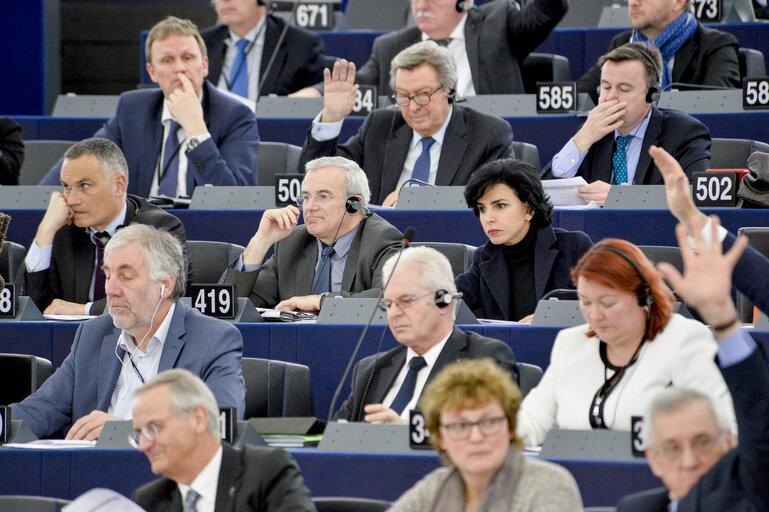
<point>253,64</point>
<point>205,484</point>
<point>458,50</point>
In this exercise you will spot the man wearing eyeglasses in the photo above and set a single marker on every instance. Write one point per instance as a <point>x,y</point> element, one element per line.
<point>338,251</point>
<point>176,425</point>
<point>429,138</point>
<point>420,300</point>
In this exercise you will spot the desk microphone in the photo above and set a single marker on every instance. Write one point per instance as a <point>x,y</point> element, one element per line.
<point>408,236</point>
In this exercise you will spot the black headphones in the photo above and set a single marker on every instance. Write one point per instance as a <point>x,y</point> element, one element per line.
<point>443,298</point>
<point>451,95</point>
<point>463,6</point>
<point>645,296</point>
<point>353,205</point>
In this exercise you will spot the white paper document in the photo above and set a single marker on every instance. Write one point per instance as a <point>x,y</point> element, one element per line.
<point>102,500</point>
<point>52,444</point>
<point>563,192</point>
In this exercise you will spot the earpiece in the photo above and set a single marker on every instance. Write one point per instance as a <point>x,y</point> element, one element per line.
<point>162,290</point>
<point>645,296</point>
<point>652,95</point>
<point>451,95</point>
<point>463,6</point>
<point>353,205</point>
<point>443,298</point>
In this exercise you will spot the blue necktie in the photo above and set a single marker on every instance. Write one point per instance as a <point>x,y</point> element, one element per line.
<point>239,71</point>
<point>422,166</point>
<point>620,159</point>
<point>190,501</point>
<point>406,392</point>
<point>323,277</point>
<point>170,169</point>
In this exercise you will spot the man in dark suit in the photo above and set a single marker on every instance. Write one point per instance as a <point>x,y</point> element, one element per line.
<point>185,134</point>
<point>176,422</point>
<point>489,42</point>
<point>63,266</point>
<point>146,331</point>
<point>429,138</point>
<point>688,447</point>
<point>338,252</point>
<point>612,147</point>
<point>298,62</point>
<point>421,300</point>
<point>11,151</point>
<point>698,55</point>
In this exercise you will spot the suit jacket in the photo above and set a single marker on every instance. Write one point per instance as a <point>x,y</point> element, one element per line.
<point>709,57</point>
<point>654,500</point>
<point>381,145</point>
<point>298,63</point>
<point>751,274</point>
<point>460,345</point>
<point>208,347</point>
<point>290,270</point>
<point>72,260</point>
<point>498,38</point>
<point>227,158</point>
<point>681,135</point>
<point>11,151</point>
<point>250,479</point>
<point>486,284</point>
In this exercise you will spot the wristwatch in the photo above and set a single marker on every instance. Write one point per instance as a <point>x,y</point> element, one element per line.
<point>195,141</point>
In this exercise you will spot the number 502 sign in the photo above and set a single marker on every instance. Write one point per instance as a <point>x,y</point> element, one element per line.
<point>714,188</point>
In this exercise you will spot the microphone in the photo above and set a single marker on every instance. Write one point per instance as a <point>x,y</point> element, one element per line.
<point>696,86</point>
<point>408,236</point>
<point>415,180</point>
<point>274,54</point>
<point>4,221</point>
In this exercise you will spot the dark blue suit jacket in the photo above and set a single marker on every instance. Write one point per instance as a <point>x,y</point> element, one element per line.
<point>486,284</point>
<point>227,158</point>
<point>209,348</point>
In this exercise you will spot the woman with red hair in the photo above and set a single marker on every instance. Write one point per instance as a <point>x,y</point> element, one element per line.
<point>633,345</point>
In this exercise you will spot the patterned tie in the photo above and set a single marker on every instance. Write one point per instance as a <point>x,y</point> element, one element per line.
<point>100,239</point>
<point>190,501</point>
<point>406,392</point>
<point>443,42</point>
<point>422,166</point>
<point>323,278</point>
<point>170,169</point>
<point>620,159</point>
<point>239,71</point>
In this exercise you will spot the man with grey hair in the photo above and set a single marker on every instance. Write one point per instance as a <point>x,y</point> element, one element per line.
<point>420,299</point>
<point>429,138</point>
<point>176,425</point>
<point>691,52</point>
<point>63,272</point>
<point>338,251</point>
<point>146,331</point>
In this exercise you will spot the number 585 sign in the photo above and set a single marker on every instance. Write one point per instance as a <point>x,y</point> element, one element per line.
<point>556,97</point>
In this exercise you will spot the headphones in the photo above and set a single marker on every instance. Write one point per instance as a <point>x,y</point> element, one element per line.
<point>443,298</point>
<point>162,290</point>
<point>645,296</point>
<point>353,205</point>
<point>451,95</point>
<point>463,6</point>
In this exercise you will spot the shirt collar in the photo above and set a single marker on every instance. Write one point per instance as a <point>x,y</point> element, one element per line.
<point>342,246</point>
<point>160,335</point>
<point>116,222</point>
<point>640,129</point>
<point>206,483</point>
<point>438,136</point>
<point>250,35</point>
<point>431,356</point>
<point>458,34</point>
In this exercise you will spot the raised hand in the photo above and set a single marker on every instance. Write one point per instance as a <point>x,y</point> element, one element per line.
<point>339,91</point>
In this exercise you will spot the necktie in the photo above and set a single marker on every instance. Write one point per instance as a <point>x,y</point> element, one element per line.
<point>443,42</point>
<point>190,501</point>
<point>323,277</point>
<point>422,166</point>
<point>239,71</point>
<point>170,169</point>
<point>620,159</point>
<point>406,392</point>
<point>100,239</point>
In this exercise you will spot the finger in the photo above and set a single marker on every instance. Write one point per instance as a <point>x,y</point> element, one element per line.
<point>285,305</point>
<point>736,250</point>
<point>327,76</point>
<point>667,165</point>
<point>699,240</point>
<point>715,242</point>
<point>670,273</point>
<point>687,253</point>
<point>350,78</point>
<point>186,83</point>
<point>94,433</point>
<point>77,427</point>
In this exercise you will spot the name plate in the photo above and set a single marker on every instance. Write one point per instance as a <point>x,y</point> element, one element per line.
<point>288,189</point>
<point>715,188</point>
<point>556,97</point>
<point>708,11</point>
<point>5,424</point>
<point>419,436</point>
<point>216,300</point>
<point>366,100</point>
<point>755,93</point>
<point>315,15</point>
<point>228,424</point>
<point>8,301</point>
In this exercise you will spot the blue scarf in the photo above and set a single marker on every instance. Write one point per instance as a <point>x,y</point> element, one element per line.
<point>670,40</point>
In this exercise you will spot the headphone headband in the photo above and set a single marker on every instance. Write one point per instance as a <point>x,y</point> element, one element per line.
<point>645,296</point>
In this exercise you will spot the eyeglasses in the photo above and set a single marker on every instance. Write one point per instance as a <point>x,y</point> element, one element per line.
<point>702,445</point>
<point>402,302</point>
<point>150,431</point>
<point>321,198</point>
<point>422,98</point>
<point>488,427</point>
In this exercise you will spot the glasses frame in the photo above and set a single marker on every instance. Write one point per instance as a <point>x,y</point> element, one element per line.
<point>150,431</point>
<point>300,201</point>
<point>462,430</point>
<point>402,302</point>
<point>699,447</point>
<point>427,96</point>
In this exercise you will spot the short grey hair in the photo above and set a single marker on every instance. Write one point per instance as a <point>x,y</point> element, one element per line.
<point>356,181</point>
<point>187,391</point>
<point>162,253</point>
<point>673,399</point>
<point>108,154</point>
<point>426,52</point>
<point>433,267</point>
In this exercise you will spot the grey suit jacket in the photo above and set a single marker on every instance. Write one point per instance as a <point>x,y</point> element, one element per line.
<point>250,479</point>
<point>381,145</point>
<point>289,272</point>
<point>209,348</point>
<point>385,367</point>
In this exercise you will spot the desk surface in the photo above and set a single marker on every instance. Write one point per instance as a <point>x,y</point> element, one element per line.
<point>69,473</point>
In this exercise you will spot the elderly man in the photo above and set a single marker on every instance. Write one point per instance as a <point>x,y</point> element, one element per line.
<point>338,251</point>
<point>612,147</point>
<point>186,133</point>
<point>176,425</point>
<point>429,138</point>
<point>147,331</point>
<point>64,273</point>
<point>489,42</point>
<point>691,53</point>
<point>688,447</point>
<point>421,301</point>
<point>241,47</point>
